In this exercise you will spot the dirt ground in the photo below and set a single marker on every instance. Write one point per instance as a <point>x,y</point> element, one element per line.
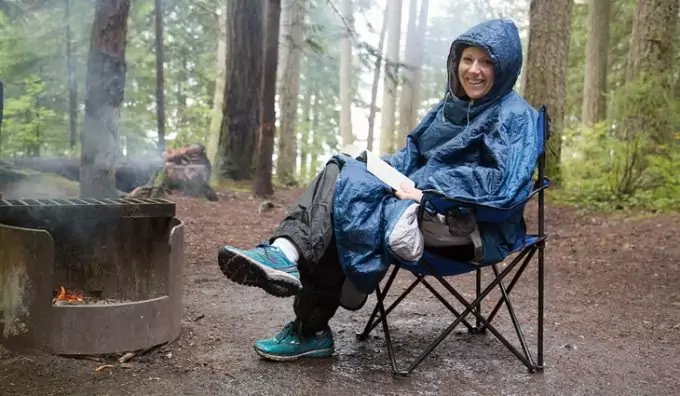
<point>612,324</point>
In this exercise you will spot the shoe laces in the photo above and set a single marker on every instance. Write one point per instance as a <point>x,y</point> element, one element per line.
<point>266,247</point>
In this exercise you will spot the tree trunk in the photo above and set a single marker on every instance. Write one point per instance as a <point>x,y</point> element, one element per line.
<point>387,133</point>
<point>160,93</point>
<point>594,107</point>
<point>103,98</point>
<point>406,102</point>
<point>650,64</point>
<point>546,67</point>
<point>376,80</point>
<point>262,187</point>
<point>182,77</point>
<point>72,82</point>
<point>218,97</point>
<point>420,52</point>
<point>290,89</point>
<point>307,135</point>
<point>316,142</point>
<point>346,73</point>
<point>243,93</point>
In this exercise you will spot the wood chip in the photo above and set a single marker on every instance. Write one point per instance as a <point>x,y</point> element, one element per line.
<point>102,367</point>
<point>127,356</point>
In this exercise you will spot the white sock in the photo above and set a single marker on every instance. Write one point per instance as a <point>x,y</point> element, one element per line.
<point>288,249</point>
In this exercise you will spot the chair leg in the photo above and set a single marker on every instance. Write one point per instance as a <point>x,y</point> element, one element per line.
<point>370,325</point>
<point>541,284</point>
<point>511,286</point>
<point>447,305</point>
<point>374,319</point>
<point>470,308</point>
<point>388,339</point>
<point>511,312</point>
<point>478,288</point>
<point>483,323</point>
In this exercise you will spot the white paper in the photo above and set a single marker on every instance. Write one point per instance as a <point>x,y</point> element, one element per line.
<point>385,172</point>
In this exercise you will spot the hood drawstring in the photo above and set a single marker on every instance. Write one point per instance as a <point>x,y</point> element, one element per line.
<point>468,111</point>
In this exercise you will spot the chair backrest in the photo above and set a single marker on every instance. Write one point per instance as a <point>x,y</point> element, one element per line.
<point>543,131</point>
<point>542,182</point>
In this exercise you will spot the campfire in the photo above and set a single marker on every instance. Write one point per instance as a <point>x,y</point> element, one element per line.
<point>93,276</point>
<point>67,296</point>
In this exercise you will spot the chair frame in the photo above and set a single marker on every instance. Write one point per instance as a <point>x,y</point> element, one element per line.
<point>482,322</point>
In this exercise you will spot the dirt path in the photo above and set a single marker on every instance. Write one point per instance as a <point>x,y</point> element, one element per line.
<point>612,324</point>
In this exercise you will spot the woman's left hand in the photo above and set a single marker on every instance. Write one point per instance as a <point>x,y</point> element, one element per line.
<point>407,191</point>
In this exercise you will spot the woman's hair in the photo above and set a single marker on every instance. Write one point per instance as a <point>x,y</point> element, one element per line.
<point>454,60</point>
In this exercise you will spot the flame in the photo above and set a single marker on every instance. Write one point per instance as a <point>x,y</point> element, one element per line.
<point>69,296</point>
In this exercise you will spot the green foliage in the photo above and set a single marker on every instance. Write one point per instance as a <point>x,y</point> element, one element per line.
<point>630,160</point>
<point>33,70</point>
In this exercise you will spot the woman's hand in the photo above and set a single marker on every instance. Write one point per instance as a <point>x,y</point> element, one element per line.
<point>406,191</point>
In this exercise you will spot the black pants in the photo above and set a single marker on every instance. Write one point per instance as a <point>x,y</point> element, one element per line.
<point>309,225</point>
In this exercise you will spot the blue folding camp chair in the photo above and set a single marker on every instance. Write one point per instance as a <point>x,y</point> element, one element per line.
<point>433,265</point>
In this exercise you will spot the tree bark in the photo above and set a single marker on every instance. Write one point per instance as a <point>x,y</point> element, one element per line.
<point>242,96</point>
<point>218,97</point>
<point>72,82</point>
<point>387,133</point>
<point>650,62</point>
<point>546,66</point>
<point>406,102</point>
<point>262,186</point>
<point>346,73</point>
<point>160,92</point>
<point>307,133</point>
<point>594,108</point>
<point>420,53</point>
<point>290,89</point>
<point>105,84</point>
<point>376,80</point>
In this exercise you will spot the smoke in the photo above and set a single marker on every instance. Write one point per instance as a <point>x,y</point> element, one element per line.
<point>44,51</point>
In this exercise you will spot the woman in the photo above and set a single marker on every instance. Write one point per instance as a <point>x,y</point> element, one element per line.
<point>478,144</point>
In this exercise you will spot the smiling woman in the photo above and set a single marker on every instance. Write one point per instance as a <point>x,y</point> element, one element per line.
<point>475,73</point>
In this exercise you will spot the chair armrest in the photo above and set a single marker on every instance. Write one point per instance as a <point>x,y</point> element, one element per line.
<point>440,203</point>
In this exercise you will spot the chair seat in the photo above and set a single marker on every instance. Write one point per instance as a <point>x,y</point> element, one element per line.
<point>444,266</point>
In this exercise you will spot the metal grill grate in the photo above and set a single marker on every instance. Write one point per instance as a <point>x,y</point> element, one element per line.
<point>83,202</point>
<point>12,211</point>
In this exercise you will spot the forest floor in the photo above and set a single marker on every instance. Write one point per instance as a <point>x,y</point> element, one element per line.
<point>612,323</point>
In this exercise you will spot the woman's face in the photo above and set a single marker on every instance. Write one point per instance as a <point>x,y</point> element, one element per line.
<point>475,72</point>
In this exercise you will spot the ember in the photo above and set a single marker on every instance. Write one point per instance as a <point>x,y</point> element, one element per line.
<point>68,296</point>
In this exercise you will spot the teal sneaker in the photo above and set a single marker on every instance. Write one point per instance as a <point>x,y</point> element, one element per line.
<point>290,345</point>
<point>264,266</point>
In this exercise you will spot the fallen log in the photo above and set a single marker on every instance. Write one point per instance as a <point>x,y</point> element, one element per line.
<point>19,182</point>
<point>184,171</point>
<point>130,172</point>
<point>187,171</point>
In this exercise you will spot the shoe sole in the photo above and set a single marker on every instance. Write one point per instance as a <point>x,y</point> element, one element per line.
<point>247,272</point>
<point>316,354</point>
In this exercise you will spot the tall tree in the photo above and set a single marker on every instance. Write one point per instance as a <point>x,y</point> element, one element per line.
<point>218,95</point>
<point>72,83</point>
<point>376,80</point>
<point>388,124</point>
<point>594,107</point>
<point>346,86</point>
<point>650,66</point>
<point>262,186</point>
<point>292,30</point>
<point>103,98</point>
<point>419,53</point>
<point>242,96</point>
<point>160,91</point>
<point>546,64</point>
<point>407,104</point>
